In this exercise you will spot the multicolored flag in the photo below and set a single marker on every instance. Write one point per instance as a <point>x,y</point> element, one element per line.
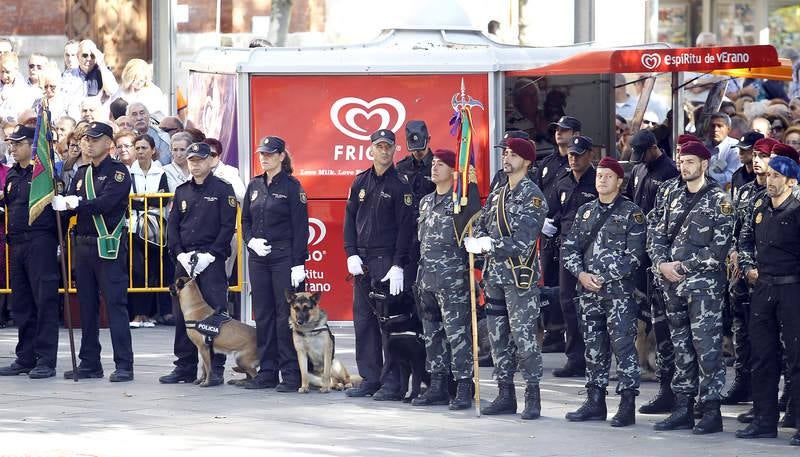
<point>466,200</point>
<point>42,184</point>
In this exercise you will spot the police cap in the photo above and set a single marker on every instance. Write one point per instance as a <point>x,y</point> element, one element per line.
<point>200,150</point>
<point>20,133</point>
<point>580,145</point>
<point>383,136</point>
<point>271,145</point>
<point>98,129</point>
<point>417,135</point>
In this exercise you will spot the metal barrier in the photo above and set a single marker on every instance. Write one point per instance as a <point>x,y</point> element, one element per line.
<point>161,197</point>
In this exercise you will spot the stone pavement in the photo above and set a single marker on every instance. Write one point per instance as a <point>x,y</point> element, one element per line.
<point>58,417</point>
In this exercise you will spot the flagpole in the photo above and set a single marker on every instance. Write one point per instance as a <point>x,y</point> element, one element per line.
<point>476,371</point>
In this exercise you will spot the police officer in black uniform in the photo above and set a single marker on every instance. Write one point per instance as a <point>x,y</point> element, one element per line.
<point>275,226</point>
<point>378,229</point>
<point>202,222</point>
<point>745,173</point>
<point>98,194</point>
<point>574,189</point>
<point>33,267</point>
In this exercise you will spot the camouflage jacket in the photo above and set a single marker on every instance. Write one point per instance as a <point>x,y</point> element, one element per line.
<point>526,209</point>
<point>616,251</point>
<point>701,243</point>
<point>442,263</point>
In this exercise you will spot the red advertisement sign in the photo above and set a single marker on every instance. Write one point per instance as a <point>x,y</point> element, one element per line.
<point>326,267</point>
<point>693,59</point>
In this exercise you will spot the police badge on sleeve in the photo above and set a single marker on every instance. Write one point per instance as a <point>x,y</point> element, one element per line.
<point>119,176</point>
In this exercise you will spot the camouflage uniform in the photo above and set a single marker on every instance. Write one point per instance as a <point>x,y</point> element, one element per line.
<point>609,315</point>
<point>694,305</point>
<point>511,311</point>
<point>442,283</point>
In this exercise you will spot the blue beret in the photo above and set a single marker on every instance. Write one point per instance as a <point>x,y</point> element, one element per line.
<point>785,166</point>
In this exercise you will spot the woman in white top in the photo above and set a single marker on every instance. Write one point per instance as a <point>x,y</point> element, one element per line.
<point>178,170</point>
<point>137,86</point>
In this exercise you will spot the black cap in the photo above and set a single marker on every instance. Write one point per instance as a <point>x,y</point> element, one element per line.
<point>748,140</point>
<point>201,150</point>
<point>98,129</point>
<point>640,143</point>
<point>383,135</point>
<point>21,132</point>
<point>271,145</point>
<point>568,122</point>
<point>580,145</point>
<point>417,136</point>
<point>516,133</point>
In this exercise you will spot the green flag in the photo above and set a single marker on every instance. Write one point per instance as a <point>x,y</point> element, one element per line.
<point>42,190</point>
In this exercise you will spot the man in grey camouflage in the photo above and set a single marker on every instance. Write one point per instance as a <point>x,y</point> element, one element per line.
<point>506,231</point>
<point>603,251</point>
<point>443,291</point>
<point>688,248</point>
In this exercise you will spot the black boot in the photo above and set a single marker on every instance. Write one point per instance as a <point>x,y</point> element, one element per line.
<point>533,402</point>
<point>711,422</point>
<point>593,409</point>
<point>435,395</point>
<point>758,429</point>
<point>682,417</point>
<point>795,441</point>
<point>626,414</point>
<point>664,401</point>
<point>746,417</point>
<point>463,399</point>
<point>788,420</point>
<point>740,391</point>
<point>505,403</point>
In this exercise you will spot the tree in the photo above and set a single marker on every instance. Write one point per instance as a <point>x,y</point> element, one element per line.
<point>279,21</point>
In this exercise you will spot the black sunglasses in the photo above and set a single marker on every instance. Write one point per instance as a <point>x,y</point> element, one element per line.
<point>86,56</point>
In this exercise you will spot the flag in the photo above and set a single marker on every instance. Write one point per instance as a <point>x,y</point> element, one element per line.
<point>466,200</point>
<point>42,190</point>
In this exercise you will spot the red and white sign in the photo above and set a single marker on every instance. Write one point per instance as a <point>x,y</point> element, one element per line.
<point>692,59</point>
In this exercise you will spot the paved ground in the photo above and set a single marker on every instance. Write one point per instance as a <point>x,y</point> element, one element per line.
<point>143,418</point>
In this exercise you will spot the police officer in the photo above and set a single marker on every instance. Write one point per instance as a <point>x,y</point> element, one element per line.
<point>574,189</point>
<point>688,249</point>
<point>275,226</point>
<point>603,251</point>
<point>33,267</point>
<point>98,194</point>
<point>202,222</point>
<point>506,231</point>
<point>770,259</point>
<point>443,284</point>
<point>378,230</point>
<point>745,173</point>
<point>416,166</point>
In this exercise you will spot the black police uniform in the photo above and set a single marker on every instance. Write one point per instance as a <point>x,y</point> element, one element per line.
<point>277,212</point>
<point>202,219</point>
<point>112,185</point>
<point>378,228</point>
<point>418,175</point>
<point>740,177</point>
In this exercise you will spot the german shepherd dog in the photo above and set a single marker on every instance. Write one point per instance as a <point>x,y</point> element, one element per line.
<point>315,344</point>
<point>235,338</point>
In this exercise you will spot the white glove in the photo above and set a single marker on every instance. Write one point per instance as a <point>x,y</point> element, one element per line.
<point>395,277</point>
<point>486,244</point>
<point>204,259</point>
<point>259,246</point>
<point>59,203</point>
<point>549,229</point>
<point>355,265</point>
<point>472,245</point>
<point>72,201</point>
<point>185,259</point>
<point>298,275</point>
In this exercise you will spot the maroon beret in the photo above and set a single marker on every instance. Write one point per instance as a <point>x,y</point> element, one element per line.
<point>687,137</point>
<point>780,149</point>
<point>612,164</point>
<point>764,145</point>
<point>696,148</point>
<point>447,156</point>
<point>522,148</point>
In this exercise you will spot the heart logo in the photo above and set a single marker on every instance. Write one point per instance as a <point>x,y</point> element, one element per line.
<point>651,61</point>
<point>316,231</point>
<point>349,113</point>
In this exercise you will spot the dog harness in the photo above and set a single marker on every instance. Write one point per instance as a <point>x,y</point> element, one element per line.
<point>210,327</point>
<point>317,331</point>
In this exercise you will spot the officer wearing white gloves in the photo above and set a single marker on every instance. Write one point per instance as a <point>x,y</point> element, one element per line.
<point>199,231</point>
<point>378,229</point>
<point>275,226</point>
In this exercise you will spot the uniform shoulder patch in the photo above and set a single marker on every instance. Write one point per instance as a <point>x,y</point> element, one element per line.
<point>758,203</point>
<point>303,198</point>
<point>232,201</point>
<point>537,202</point>
<point>726,208</point>
<point>638,217</point>
<point>408,199</point>
<point>119,176</point>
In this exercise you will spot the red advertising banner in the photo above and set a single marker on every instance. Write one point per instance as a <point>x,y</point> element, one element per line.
<point>693,59</point>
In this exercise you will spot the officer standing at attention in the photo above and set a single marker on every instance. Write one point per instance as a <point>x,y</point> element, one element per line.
<point>506,232</point>
<point>603,251</point>
<point>275,226</point>
<point>33,267</point>
<point>98,194</point>
<point>770,259</point>
<point>688,249</point>
<point>378,231</point>
<point>500,178</point>
<point>202,221</point>
<point>443,283</point>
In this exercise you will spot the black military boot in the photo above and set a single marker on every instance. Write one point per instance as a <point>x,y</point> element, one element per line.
<point>746,417</point>
<point>463,399</point>
<point>682,417</point>
<point>435,395</point>
<point>593,409</point>
<point>758,429</point>
<point>740,391</point>
<point>788,420</point>
<point>505,403</point>
<point>533,402</point>
<point>626,414</point>
<point>187,375</point>
<point>711,422</point>
<point>15,369</point>
<point>664,400</point>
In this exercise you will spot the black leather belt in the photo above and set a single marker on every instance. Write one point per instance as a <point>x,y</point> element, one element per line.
<point>375,252</point>
<point>778,280</point>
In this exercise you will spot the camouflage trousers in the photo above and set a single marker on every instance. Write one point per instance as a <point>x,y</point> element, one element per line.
<point>448,342</point>
<point>511,316</point>
<point>695,323</point>
<point>609,325</point>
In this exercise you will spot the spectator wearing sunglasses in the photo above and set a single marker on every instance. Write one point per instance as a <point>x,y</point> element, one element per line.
<point>37,64</point>
<point>92,78</point>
